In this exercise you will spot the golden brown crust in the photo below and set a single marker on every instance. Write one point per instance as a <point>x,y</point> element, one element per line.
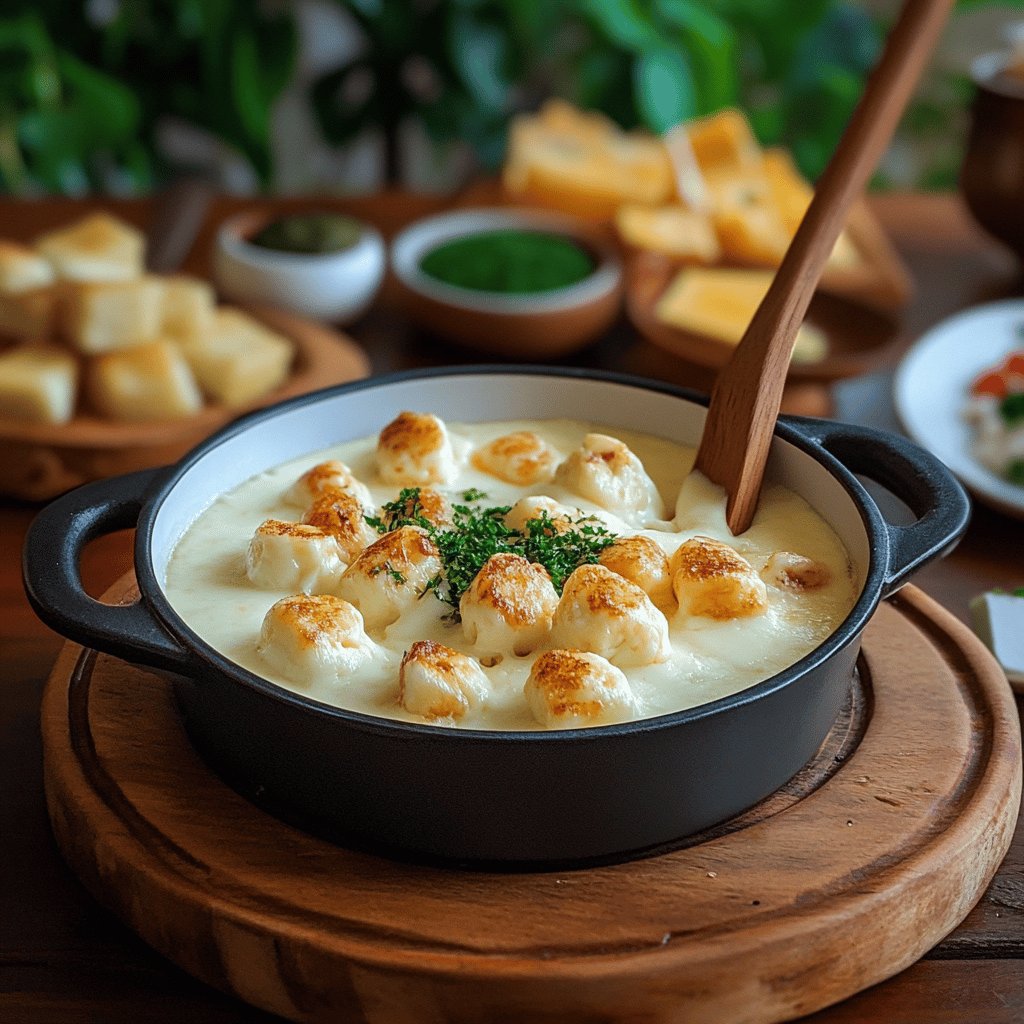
<point>312,615</point>
<point>516,588</point>
<point>702,558</point>
<point>559,676</point>
<point>280,528</point>
<point>603,591</point>
<point>642,562</point>
<point>519,458</point>
<point>713,580</point>
<point>400,547</point>
<point>791,571</point>
<point>341,515</point>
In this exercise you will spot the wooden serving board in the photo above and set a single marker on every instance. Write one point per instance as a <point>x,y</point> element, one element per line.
<point>850,873</point>
<point>43,460</point>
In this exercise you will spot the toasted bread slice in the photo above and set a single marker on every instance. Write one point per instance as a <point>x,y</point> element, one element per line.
<point>30,314</point>
<point>97,248</point>
<point>22,269</point>
<point>148,382</point>
<point>188,305</point>
<point>238,360</point>
<point>105,316</point>
<point>38,383</point>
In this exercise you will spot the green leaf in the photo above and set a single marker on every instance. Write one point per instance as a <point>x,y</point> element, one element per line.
<point>478,52</point>
<point>624,23</point>
<point>664,89</point>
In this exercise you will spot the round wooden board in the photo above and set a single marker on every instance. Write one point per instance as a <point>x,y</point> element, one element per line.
<point>44,460</point>
<point>861,864</point>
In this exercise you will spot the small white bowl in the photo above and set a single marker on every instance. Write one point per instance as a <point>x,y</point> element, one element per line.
<point>333,286</point>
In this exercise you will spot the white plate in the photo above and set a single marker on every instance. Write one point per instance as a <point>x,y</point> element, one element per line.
<point>931,385</point>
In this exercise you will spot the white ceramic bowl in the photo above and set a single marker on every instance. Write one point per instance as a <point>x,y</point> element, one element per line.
<point>337,286</point>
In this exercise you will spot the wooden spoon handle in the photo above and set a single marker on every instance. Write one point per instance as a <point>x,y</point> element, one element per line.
<point>747,394</point>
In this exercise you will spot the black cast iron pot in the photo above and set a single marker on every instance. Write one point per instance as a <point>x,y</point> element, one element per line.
<point>499,798</point>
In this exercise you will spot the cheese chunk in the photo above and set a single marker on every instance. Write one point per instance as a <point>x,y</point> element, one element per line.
<point>38,383</point>
<point>96,248</point>
<point>521,458</point>
<point>150,382</point>
<point>570,689</point>
<point>414,449</point>
<point>237,361</point>
<point>643,562</point>
<point>29,315</point>
<point>106,316</point>
<point>313,640</point>
<point>391,575</point>
<point>720,302</point>
<point>508,606</point>
<point>437,682</point>
<point>605,614</point>
<point>323,478</point>
<point>22,269</point>
<point>293,556</point>
<point>188,307</point>
<point>342,516</point>
<point>713,580</point>
<point>603,470</point>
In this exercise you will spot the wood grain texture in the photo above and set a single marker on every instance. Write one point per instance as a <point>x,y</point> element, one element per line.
<point>817,896</point>
<point>44,460</point>
<point>746,397</point>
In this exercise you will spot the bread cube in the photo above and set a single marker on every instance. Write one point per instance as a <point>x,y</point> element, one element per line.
<point>674,231</point>
<point>188,305</point>
<point>22,270</point>
<point>97,248</point>
<point>724,141</point>
<point>238,360</point>
<point>149,382</point>
<point>38,383</point>
<point>105,316</point>
<point>28,314</point>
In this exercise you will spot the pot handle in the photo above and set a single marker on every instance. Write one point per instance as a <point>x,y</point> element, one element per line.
<point>54,544</point>
<point>913,475</point>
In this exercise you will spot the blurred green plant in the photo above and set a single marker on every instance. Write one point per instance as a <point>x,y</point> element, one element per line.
<point>84,86</point>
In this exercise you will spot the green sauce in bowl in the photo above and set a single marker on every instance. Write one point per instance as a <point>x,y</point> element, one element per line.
<point>309,233</point>
<point>509,261</point>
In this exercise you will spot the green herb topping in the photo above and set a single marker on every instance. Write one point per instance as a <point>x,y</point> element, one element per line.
<point>475,534</point>
<point>1011,408</point>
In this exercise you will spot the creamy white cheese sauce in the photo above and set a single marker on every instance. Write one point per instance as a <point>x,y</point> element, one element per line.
<point>207,584</point>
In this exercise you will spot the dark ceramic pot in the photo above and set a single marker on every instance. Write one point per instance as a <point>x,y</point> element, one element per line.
<point>496,798</point>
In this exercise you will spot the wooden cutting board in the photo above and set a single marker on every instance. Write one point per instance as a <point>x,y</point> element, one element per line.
<point>865,860</point>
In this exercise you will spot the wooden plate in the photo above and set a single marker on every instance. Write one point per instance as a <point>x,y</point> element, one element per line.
<point>858,337</point>
<point>43,460</point>
<point>857,867</point>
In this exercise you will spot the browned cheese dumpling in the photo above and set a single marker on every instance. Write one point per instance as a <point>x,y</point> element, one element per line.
<point>713,580</point>
<point>604,470</point>
<point>314,639</point>
<point>508,606</point>
<point>536,505</point>
<point>324,478</point>
<point>603,613</point>
<point>343,517</point>
<point>293,556</point>
<point>790,571</point>
<point>390,575</point>
<point>520,458</point>
<point>438,682</point>
<point>429,504</point>
<point>568,689</point>
<point>414,449</point>
<point>643,562</point>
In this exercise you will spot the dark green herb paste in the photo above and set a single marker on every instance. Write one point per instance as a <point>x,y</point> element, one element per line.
<point>510,262</point>
<point>311,233</point>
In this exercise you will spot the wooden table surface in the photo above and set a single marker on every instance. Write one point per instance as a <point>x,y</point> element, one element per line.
<point>64,960</point>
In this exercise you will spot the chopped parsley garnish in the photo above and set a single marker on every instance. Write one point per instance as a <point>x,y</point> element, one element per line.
<point>390,570</point>
<point>475,534</point>
<point>1011,408</point>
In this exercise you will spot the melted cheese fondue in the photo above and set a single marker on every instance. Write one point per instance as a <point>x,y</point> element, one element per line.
<point>639,635</point>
